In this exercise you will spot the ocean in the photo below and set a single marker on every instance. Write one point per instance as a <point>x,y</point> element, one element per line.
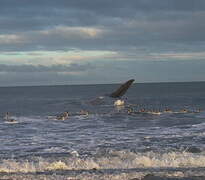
<point>110,142</point>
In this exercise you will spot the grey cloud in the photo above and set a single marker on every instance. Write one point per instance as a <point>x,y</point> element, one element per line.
<point>126,25</point>
<point>118,36</point>
<point>153,71</point>
<point>141,71</point>
<point>130,28</point>
<point>107,4</point>
<point>41,14</point>
<point>40,68</point>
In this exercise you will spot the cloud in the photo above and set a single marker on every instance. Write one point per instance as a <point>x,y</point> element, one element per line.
<point>40,68</point>
<point>101,25</point>
<point>104,72</point>
<point>44,33</point>
<point>10,39</point>
<point>109,33</point>
<point>66,31</point>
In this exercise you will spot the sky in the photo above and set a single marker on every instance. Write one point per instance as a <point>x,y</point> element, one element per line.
<point>54,42</point>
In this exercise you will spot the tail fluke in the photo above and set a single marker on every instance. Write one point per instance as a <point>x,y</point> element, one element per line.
<point>122,89</point>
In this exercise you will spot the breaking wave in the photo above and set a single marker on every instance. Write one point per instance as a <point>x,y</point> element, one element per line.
<point>113,164</point>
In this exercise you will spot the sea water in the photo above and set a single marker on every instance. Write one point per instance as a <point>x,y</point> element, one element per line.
<point>109,142</point>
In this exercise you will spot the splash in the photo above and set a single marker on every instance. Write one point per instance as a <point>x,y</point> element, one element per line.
<point>119,103</point>
<point>112,165</point>
<point>112,160</point>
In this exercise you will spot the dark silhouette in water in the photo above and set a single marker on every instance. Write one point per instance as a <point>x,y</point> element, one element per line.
<point>116,94</point>
<point>7,118</point>
<point>63,116</point>
<point>122,89</point>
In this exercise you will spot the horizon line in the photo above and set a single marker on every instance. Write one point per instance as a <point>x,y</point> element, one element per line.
<point>91,84</point>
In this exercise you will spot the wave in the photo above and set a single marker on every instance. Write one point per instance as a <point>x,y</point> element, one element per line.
<point>112,165</point>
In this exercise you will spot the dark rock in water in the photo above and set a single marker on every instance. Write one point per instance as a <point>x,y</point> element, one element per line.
<point>148,149</point>
<point>151,177</point>
<point>193,150</point>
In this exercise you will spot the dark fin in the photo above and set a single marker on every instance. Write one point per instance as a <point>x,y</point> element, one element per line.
<point>122,89</point>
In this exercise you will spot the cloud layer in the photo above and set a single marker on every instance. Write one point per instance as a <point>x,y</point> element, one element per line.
<point>106,24</point>
<point>75,34</point>
<point>40,68</point>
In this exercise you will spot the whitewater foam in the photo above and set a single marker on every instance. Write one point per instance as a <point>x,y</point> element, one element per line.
<point>112,165</point>
<point>112,160</point>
